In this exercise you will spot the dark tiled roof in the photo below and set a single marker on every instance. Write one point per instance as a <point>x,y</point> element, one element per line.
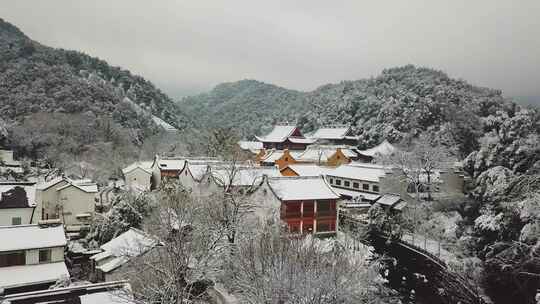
<point>14,198</point>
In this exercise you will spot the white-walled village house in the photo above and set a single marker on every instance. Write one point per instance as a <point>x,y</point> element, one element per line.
<point>71,201</point>
<point>17,203</point>
<point>138,175</point>
<point>31,257</point>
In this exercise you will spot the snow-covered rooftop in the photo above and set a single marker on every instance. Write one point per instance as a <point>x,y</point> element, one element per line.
<point>83,186</point>
<point>131,243</point>
<point>272,155</point>
<point>23,237</point>
<point>315,155</point>
<point>115,292</point>
<point>144,165</point>
<point>7,188</point>
<point>244,176</point>
<point>322,153</point>
<point>389,200</point>
<point>252,146</point>
<point>301,188</point>
<point>171,164</point>
<point>24,275</point>
<point>356,194</point>
<point>301,140</point>
<point>160,122</point>
<point>309,169</point>
<point>383,148</point>
<point>331,133</point>
<point>369,174</point>
<point>279,134</point>
<point>197,170</point>
<point>47,184</point>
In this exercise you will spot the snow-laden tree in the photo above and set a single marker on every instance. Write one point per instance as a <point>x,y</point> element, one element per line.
<point>418,162</point>
<point>273,267</point>
<point>127,210</point>
<point>189,255</point>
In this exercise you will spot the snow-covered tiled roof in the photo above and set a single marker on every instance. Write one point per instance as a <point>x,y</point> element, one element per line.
<point>83,186</point>
<point>383,148</point>
<point>47,184</point>
<point>29,188</point>
<point>301,188</point>
<point>279,134</point>
<point>331,133</point>
<point>301,140</point>
<point>115,292</point>
<point>316,155</point>
<point>131,243</point>
<point>272,155</point>
<point>113,264</point>
<point>244,176</point>
<point>370,174</point>
<point>171,164</point>
<point>144,165</point>
<point>100,256</point>
<point>166,126</point>
<point>110,296</point>
<point>389,200</point>
<point>23,237</point>
<point>250,145</point>
<point>309,169</point>
<point>25,275</point>
<point>324,152</point>
<point>197,170</point>
<point>356,194</point>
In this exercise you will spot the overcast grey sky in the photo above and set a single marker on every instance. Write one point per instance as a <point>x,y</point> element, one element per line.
<point>186,47</point>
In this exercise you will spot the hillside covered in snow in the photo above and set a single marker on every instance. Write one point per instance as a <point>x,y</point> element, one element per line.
<point>36,78</point>
<point>399,103</point>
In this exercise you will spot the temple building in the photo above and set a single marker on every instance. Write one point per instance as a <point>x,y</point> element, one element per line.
<point>382,149</point>
<point>305,204</point>
<point>334,135</point>
<point>285,137</point>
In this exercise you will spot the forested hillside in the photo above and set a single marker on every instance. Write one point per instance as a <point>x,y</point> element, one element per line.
<point>247,105</point>
<point>35,78</point>
<point>62,106</point>
<point>398,103</point>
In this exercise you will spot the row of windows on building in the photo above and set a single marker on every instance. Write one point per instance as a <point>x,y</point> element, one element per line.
<point>353,185</point>
<point>307,226</point>
<point>16,258</point>
<point>296,209</point>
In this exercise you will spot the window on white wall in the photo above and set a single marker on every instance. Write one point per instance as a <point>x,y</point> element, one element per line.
<point>12,258</point>
<point>16,221</point>
<point>45,255</point>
